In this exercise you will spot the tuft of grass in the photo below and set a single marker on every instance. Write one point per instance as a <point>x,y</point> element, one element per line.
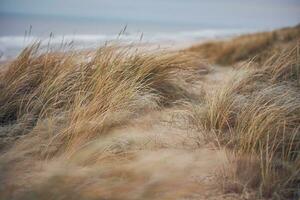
<point>257,46</point>
<point>59,103</point>
<point>257,115</point>
<point>90,92</point>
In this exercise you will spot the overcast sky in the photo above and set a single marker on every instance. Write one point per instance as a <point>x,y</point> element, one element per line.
<point>260,13</point>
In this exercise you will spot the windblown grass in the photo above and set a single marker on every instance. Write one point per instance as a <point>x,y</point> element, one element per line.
<point>62,102</point>
<point>257,115</point>
<point>257,46</point>
<point>88,90</point>
<point>68,110</point>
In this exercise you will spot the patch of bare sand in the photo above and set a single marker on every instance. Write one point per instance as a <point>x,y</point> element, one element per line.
<point>217,76</point>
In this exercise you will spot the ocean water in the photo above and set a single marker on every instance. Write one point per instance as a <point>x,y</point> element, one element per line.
<point>19,31</point>
<point>91,23</point>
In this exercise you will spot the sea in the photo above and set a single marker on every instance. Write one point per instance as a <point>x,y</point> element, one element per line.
<point>18,31</point>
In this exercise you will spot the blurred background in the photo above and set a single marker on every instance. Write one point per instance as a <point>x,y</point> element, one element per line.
<point>90,23</point>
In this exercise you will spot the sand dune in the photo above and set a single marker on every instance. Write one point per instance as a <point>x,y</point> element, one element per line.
<point>121,123</point>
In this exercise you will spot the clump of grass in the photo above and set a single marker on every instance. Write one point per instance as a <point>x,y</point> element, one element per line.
<point>257,115</point>
<point>123,86</point>
<point>67,100</point>
<point>258,46</point>
<point>90,91</point>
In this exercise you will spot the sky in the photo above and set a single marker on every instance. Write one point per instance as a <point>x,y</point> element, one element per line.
<point>247,13</point>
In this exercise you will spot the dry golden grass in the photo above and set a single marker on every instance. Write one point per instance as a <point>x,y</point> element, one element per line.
<point>87,91</point>
<point>64,102</point>
<point>83,128</point>
<point>257,115</point>
<point>257,46</point>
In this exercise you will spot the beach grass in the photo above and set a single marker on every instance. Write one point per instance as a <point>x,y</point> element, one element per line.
<point>124,122</point>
